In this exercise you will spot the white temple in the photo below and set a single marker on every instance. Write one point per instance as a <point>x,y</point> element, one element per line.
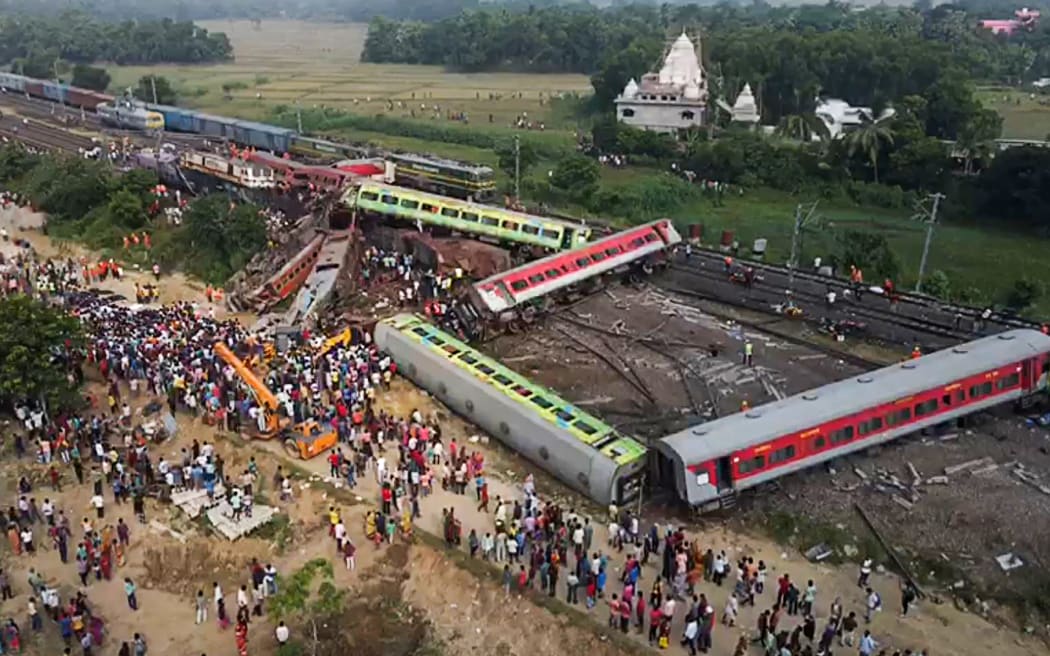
<point>745,110</point>
<point>672,99</point>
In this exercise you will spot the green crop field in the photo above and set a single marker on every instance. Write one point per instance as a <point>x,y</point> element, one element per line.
<point>1025,115</point>
<point>283,62</point>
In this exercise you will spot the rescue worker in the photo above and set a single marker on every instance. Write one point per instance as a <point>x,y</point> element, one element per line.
<point>749,350</point>
<point>744,406</point>
<point>728,260</point>
<point>916,353</point>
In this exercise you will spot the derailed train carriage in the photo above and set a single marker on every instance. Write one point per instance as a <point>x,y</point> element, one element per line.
<point>575,447</point>
<point>708,464</point>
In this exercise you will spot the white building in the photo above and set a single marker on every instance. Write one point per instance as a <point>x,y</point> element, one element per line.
<point>745,109</point>
<point>840,117</point>
<point>672,99</point>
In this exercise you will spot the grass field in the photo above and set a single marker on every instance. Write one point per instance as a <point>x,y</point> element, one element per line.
<point>974,258</point>
<point>1024,116</point>
<point>284,62</point>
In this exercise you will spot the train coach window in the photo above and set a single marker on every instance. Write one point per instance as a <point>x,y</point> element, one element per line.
<point>523,391</point>
<point>536,279</point>
<point>501,379</point>
<point>422,332</point>
<point>541,402</point>
<point>1010,381</point>
<point>449,212</point>
<point>530,229</point>
<point>519,285</point>
<point>469,216</point>
<point>510,225</point>
<point>754,464</point>
<point>584,427</point>
<point>409,203</point>
<point>898,417</point>
<point>870,426</point>
<point>552,273</point>
<point>369,195</point>
<point>819,443</point>
<point>389,200</point>
<point>583,261</point>
<point>842,435</point>
<point>468,358</point>
<point>564,415</point>
<point>638,242</point>
<point>780,455</point>
<point>490,221</point>
<point>451,350</point>
<point>598,257</point>
<point>427,207</point>
<point>485,369</point>
<point>926,407</point>
<point>548,233</point>
<point>436,341</point>
<point>651,237</point>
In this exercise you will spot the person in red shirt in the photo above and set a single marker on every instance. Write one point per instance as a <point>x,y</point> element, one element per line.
<point>334,460</point>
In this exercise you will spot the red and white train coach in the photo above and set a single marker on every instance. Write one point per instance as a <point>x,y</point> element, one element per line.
<point>712,461</point>
<point>560,272</point>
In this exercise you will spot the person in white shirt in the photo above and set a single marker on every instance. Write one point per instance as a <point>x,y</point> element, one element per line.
<point>98,504</point>
<point>281,633</point>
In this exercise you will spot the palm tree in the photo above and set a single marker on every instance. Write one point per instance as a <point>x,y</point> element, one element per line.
<point>803,126</point>
<point>868,139</point>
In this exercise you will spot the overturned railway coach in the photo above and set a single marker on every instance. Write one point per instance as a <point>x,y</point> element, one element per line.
<point>710,462</point>
<point>571,269</point>
<point>482,221</point>
<point>577,448</point>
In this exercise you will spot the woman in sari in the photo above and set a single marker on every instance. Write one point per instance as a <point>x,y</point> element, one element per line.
<point>118,549</point>
<point>15,540</point>
<point>106,563</point>
<point>370,525</point>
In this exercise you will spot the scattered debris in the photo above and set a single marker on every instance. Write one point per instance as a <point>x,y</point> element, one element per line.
<point>818,553</point>
<point>221,517</point>
<point>969,464</point>
<point>1009,561</point>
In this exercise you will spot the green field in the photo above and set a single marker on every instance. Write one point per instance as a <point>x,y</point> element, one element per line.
<point>1025,115</point>
<point>319,65</point>
<point>988,261</point>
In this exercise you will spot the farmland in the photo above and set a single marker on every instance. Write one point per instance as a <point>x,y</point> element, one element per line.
<point>319,65</point>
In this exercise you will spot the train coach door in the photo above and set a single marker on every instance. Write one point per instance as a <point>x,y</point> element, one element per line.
<point>566,238</point>
<point>724,473</point>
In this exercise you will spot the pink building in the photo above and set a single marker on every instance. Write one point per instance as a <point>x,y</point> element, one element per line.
<point>1025,19</point>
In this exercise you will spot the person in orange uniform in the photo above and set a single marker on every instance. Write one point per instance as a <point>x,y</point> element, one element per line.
<point>916,353</point>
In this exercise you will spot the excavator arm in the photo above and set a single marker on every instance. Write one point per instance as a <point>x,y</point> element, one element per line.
<point>262,393</point>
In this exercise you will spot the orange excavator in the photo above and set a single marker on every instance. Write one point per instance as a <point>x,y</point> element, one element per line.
<point>303,440</point>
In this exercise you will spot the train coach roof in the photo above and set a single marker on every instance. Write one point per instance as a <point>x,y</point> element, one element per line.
<point>467,205</point>
<point>852,395</point>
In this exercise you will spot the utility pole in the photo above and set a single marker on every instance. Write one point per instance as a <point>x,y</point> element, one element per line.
<point>931,220</point>
<point>517,169</point>
<point>299,116</point>
<point>153,86</point>
<point>796,241</point>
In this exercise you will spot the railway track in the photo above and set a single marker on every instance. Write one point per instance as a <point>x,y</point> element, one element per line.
<point>881,323</point>
<point>41,135</point>
<point>910,304</point>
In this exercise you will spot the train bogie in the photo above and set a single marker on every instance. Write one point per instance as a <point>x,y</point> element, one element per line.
<point>749,448</point>
<point>602,464</point>
<point>13,82</point>
<point>217,127</point>
<point>176,119</point>
<point>262,136</point>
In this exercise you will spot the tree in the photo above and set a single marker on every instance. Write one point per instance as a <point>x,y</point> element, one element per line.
<point>527,156</point>
<point>218,237</point>
<point>126,210</point>
<point>303,598</point>
<point>150,84</point>
<point>37,343</point>
<point>90,77</point>
<point>867,251</point>
<point>868,139</point>
<point>621,66</point>
<point>1024,293</point>
<point>976,138</point>
<point>803,127</point>
<point>938,285</point>
<point>576,174</point>
<point>1016,186</point>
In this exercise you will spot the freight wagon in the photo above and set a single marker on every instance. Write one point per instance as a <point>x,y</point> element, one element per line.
<point>12,82</point>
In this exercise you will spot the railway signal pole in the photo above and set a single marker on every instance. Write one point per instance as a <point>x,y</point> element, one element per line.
<point>930,217</point>
<point>517,168</point>
<point>796,241</point>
